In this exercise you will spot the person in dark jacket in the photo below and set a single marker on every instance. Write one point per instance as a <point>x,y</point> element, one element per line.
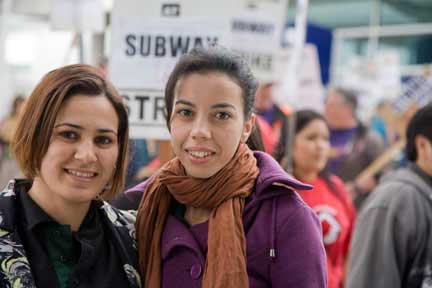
<point>354,146</point>
<point>55,228</point>
<point>392,242</point>
<point>218,214</point>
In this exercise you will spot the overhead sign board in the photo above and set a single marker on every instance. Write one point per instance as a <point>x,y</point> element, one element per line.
<point>146,50</point>
<point>148,37</point>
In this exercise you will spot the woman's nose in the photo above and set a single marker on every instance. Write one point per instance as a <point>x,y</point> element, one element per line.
<point>86,152</point>
<point>323,145</point>
<point>201,129</point>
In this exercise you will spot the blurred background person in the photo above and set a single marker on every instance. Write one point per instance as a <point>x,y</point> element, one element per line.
<point>392,241</point>
<point>8,166</point>
<point>353,146</point>
<point>272,121</point>
<point>328,198</point>
<point>378,121</point>
<point>140,158</point>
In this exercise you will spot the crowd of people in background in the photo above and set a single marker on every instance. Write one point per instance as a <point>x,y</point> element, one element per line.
<point>8,166</point>
<point>237,221</point>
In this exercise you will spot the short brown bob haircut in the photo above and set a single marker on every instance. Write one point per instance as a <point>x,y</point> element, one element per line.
<point>34,130</point>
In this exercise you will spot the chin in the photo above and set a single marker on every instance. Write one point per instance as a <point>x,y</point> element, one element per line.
<point>199,174</point>
<point>80,195</point>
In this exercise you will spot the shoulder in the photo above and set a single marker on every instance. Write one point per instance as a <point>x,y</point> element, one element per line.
<point>336,180</point>
<point>9,189</point>
<point>7,206</point>
<point>397,186</point>
<point>14,266</point>
<point>131,198</point>
<point>295,215</point>
<point>122,224</point>
<point>288,207</point>
<point>118,217</point>
<point>340,186</point>
<point>397,197</point>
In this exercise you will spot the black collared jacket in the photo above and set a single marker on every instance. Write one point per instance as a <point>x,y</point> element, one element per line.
<point>15,271</point>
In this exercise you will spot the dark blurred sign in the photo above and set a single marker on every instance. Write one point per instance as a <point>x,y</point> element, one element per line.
<point>170,10</point>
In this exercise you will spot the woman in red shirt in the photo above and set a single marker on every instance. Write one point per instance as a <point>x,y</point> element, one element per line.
<point>328,198</point>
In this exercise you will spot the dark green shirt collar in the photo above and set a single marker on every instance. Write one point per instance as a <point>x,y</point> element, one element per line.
<point>31,212</point>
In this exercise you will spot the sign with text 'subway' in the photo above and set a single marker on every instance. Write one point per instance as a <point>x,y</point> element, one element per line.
<point>148,37</point>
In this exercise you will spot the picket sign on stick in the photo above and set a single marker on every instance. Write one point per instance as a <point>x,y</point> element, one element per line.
<point>149,36</point>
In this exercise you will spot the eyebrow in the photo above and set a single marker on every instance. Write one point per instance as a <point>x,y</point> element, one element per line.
<point>184,102</point>
<point>215,106</point>
<point>100,130</point>
<point>223,105</point>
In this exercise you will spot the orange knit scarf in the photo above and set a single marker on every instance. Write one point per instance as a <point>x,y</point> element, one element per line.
<point>224,193</point>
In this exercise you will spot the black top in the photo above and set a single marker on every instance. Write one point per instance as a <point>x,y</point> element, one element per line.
<point>98,264</point>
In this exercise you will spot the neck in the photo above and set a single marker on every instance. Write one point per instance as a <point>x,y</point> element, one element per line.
<point>196,215</point>
<point>425,166</point>
<point>58,208</point>
<point>346,124</point>
<point>305,176</point>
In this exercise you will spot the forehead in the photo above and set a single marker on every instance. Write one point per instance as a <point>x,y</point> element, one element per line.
<point>93,110</point>
<point>202,88</point>
<point>316,125</point>
<point>335,96</point>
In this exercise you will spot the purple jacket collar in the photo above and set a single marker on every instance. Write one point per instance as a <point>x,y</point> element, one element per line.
<point>271,172</point>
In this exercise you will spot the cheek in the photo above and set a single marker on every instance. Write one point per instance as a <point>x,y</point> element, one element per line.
<point>326,149</point>
<point>108,163</point>
<point>178,135</point>
<point>228,137</point>
<point>298,154</point>
<point>55,154</point>
<point>110,157</point>
<point>52,164</point>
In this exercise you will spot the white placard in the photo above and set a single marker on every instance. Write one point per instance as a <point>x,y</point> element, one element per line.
<point>145,50</point>
<point>146,113</point>
<point>258,40</point>
<point>148,37</point>
<point>309,92</point>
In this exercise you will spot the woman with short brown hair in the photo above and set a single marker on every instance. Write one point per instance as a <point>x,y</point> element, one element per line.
<point>72,144</point>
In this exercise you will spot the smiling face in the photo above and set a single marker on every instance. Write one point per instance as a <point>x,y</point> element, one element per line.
<point>311,147</point>
<point>207,122</point>
<point>82,153</point>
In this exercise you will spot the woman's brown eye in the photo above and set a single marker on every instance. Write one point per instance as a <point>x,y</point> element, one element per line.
<point>223,115</point>
<point>69,135</point>
<point>103,140</point>
<point>184,112</point>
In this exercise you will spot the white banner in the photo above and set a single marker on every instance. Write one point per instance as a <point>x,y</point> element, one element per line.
<point>309,92</point>
<point>146,113</point>
<point>146,50</point>
<point>258,40</point>
<point>148,37</point>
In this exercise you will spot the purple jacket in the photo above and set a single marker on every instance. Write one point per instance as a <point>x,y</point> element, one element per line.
<point>284,239</point>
